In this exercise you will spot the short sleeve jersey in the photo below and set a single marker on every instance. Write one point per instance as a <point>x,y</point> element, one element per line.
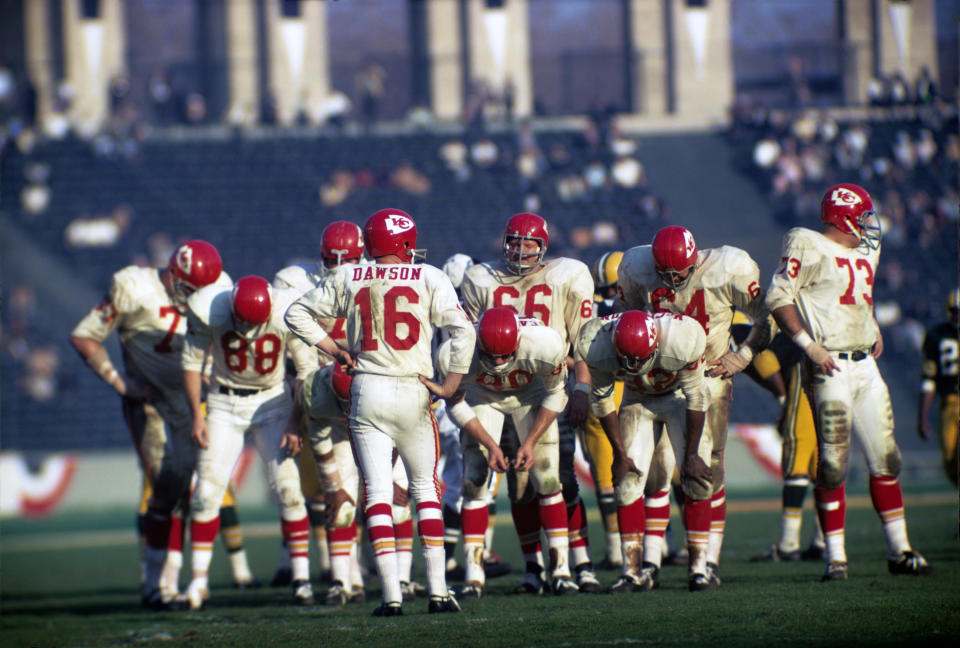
<point>540,360</point>
<point>392,312</point>
<point>254,361</point>
<point>678,362</point>
<point>723,278</point>
<point>560,294</point>
<point>149,325</point>
<point>831,286</point>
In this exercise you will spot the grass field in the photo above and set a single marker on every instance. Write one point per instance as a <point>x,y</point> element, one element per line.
<point>71,582</point>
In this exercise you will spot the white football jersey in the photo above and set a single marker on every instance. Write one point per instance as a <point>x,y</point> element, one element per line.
<point>831,286</point>
<point>724,278</point>
<point>560,294</point>
<point>392,312</point>
<point>540,363</point>
<point>151,329</point>
<point>255,361</point>
<point>678,361</point>
<point>302,278</point>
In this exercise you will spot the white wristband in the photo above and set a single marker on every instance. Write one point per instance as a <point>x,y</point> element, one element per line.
<point>803,339</point>
<point>582,387</point>
<point>746,353</point>
<point>782,399</point>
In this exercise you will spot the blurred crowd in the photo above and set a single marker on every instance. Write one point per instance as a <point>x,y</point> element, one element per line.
<point>906,154</point>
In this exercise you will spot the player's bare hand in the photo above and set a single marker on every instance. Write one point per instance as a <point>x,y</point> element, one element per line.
<point>923,429</point>
<point>496,460</point>
<point>578,408</point>
<point>694,469</point>
<point>622,466</point>
<point>400,496</point>
<point>877,349</point>
<point>822,358</point>
<point>200,434</point>
<point>333,500</point>
<point>292,442</point>
<point>450,386</point>
<point>343,357</point>
<point>728,365</point>
<point>524,460</point>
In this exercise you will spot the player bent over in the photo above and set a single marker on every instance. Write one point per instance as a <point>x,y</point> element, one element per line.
<point>146,307</point>
<point>659,358</point>
<point>822,296</point>
<point>324,398</point>
<point>392,311</point>
<point>517,370</point>
<point>672,276</point>
<point>243,330</point>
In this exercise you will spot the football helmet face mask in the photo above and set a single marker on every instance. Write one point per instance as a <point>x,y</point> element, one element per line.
<point>250,303</point>
<point>525,242</point>
<point>192,266</point>
<point>849,208</point>
<point>392,231</point>
<point>674,255</point>
<point>635,340</point>
<point>341,241</point>
<point>606,268</point>
<point>498,338</point>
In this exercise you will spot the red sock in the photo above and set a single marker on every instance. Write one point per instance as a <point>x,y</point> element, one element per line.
<point>577,525</point>
<point>632,519</point>
<point>831,508</point>
<point>296,535</point>
<point>176,533</point>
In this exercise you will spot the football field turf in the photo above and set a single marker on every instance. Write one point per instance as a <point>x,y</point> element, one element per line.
<point>70,581</point>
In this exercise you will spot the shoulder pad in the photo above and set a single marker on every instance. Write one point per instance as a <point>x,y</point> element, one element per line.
<point>563,268</point>
<point>543,343</point>
<point>302,277</point>
<point>210,305</point>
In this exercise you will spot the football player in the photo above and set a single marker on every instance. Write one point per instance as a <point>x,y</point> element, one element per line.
<point>941,358</point>
<point>146,306</point>
<point>392,309</point>
<point>324,399</point>
<point>822,297</point>
<point>778,370</point>
<point>243,330</point>
<point>592,438</point>
<point>659,358</point>
<point>672,276</point>
<point>518,369</point>
<point>340,242</point>
<point>559,293</point>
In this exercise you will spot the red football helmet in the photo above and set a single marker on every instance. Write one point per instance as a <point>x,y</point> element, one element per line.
<point>849,208</point>
<point>674,251</point>
<point>340,241</point>
<point>250,303</point>
<point>635,340</point>
<point>192,266</point>
<point>392,231</point>
<point>524,227</point>
<point>340,380</point>
<point>498,335</point>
